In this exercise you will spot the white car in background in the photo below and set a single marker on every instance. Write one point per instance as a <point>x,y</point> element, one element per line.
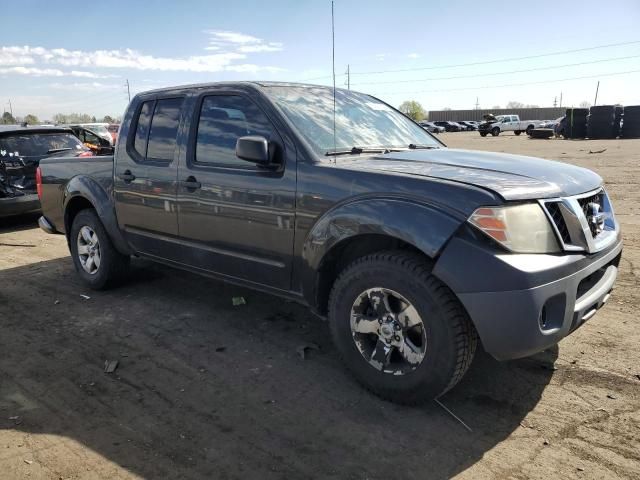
<point>100,129</point>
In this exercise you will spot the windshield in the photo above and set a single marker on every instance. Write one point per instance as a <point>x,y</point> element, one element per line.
<point>361,120</point>
<point>37,145</point>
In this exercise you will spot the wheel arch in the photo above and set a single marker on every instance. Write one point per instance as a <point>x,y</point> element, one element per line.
<point>83,192</point>
<point>364,227</point>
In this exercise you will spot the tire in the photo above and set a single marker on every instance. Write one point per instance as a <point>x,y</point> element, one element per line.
<point>517,132</point>
<point>483,134</point>
<point>541,133</point>
<point>111,267</point>
<point>449,339</point>
<point>495,131</point>
<point>529,128</point>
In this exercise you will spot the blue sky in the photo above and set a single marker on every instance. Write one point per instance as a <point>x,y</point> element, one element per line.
<point>76,57</point>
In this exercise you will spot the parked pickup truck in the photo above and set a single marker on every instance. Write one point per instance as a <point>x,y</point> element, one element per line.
<point>413,251</point>
<point>506,123</point>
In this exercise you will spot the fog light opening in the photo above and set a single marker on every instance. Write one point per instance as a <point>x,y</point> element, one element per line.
<point>543,318</point>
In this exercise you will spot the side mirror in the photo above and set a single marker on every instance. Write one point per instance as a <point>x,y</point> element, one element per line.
<point>253,149</point>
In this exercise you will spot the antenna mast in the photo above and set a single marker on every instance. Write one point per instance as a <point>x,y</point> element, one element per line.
<point>333,68</point>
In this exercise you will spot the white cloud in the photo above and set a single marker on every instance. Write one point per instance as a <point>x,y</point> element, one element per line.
<point>133,59</point>
<point>414,55</point>
<point>50,72</point>
<point>239,42</point>
<point>233,37</point>
<point>84,86</point>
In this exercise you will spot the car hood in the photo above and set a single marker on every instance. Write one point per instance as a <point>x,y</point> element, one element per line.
<point>513,177</point>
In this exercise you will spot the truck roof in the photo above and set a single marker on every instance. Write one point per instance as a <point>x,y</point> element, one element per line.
<point>255,84</point>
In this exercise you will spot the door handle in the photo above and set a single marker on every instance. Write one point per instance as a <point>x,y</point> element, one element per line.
<point>191,183</point>
<point>127,176</point>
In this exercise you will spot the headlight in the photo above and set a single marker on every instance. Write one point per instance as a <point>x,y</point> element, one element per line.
<point>520,228</point>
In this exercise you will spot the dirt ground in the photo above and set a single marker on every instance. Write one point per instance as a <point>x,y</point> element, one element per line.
<point>204,389</point>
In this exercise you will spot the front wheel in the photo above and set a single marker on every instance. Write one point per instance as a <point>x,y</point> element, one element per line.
<point>517,132</point>
<point>495,131</point>
<point>96,260</point>
<point>400,331</point>
<point>483,134</point>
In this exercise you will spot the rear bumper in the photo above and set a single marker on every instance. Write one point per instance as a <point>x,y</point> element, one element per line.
<point>539,300</point>
<point>45,225</point>
<point>19,205</point>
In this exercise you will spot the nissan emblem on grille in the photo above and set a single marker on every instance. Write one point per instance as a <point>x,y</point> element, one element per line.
<point>595,218</point>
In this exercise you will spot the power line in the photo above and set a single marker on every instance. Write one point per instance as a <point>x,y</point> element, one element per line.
<point>500,60</point>
<point>501,73</point>
<point>514,84</point>
<point>511,59</point>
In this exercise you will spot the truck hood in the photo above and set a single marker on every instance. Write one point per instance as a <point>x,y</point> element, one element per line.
<point>513,177</point>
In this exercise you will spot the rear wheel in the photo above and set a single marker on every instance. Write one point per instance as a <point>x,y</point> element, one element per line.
<point>400,331</point>
<point>517,132</point>
<point>495,131</point>
<point>483,134</point>
<point>529,128</point>
<point>96,260</point>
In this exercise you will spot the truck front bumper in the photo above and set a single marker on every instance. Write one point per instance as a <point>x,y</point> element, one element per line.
<point>523,304</point>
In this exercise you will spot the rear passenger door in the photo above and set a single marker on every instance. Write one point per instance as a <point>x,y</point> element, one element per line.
<point>145,177</point>
<point>235,218</point>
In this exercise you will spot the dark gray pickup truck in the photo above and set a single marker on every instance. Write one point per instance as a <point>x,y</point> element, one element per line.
<point>413,251</point>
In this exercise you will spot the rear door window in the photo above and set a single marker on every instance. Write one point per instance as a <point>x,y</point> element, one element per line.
<point>164,129</point>
<point>142,129</point>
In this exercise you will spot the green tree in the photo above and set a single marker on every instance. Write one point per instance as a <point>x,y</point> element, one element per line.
<point>31,119</point>
<point>108,119</point>
<point>514,104</point>
<point>413,110</point>
<point>7,119</point>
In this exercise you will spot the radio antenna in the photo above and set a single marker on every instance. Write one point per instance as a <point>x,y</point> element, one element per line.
<point>333,68</point>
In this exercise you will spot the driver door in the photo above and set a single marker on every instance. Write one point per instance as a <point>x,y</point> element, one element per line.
<point>234,217</point>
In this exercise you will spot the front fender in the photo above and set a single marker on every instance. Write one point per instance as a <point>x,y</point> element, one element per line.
<point>82,186</point>
<point>425,227</point>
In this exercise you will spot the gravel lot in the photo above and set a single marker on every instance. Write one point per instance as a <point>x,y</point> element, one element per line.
<point>204,389</point>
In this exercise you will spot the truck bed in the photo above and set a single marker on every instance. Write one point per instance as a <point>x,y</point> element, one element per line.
<point>57,172</point>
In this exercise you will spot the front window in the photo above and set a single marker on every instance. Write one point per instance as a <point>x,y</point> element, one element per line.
<point>360,120</point>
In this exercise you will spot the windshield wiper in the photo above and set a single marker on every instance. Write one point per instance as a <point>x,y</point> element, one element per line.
<point>56,150</point>
<point>414,146</point>
<point>359,150</point>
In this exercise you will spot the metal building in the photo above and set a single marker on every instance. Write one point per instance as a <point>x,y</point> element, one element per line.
<point>550,113</point>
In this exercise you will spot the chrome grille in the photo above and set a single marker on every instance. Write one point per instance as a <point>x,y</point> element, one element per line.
<point>571,218</point>
<point>554,210</point>
<point>584,204</point>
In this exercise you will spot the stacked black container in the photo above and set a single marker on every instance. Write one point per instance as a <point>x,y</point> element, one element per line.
<point>576,126</point>
<point>631,122</point>
<point>617,125</point>
<point>602,122</point>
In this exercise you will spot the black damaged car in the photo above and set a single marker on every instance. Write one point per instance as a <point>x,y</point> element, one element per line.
<point>21,149</point>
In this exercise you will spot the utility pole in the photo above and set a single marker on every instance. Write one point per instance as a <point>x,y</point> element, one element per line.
<point>128,91</point>
<point>555,102</point>
<point>348,77</point>
<point>10,108</point>
<point>477,104</point>
<point>560,99</point>
<point>595,102</point>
